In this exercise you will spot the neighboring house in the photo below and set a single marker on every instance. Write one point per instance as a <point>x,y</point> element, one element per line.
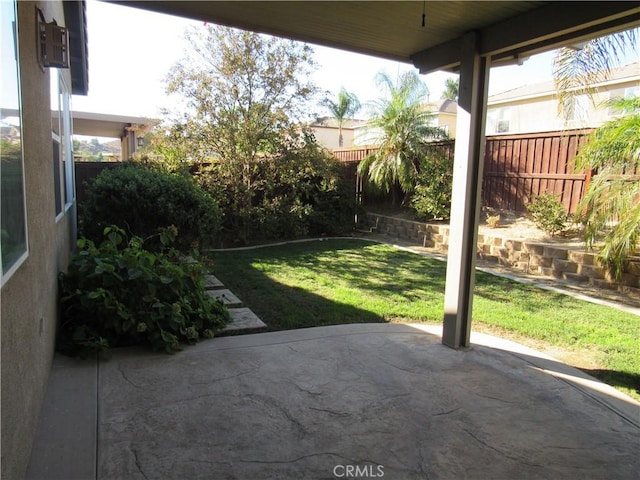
<point>327,132</point>
<point>38,202</point>
<point>444,115</point>
<point>534,108</point>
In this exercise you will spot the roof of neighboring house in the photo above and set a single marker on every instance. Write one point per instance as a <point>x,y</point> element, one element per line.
<point>106,125</point>
<point>444,106</point>
<point>548,88</point>
<point>330,122</point>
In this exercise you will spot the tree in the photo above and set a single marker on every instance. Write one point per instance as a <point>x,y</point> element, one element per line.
<point>399,128</point>
<point>611,203</point>
<point>346,105</point>
<point>245,94</point>
<point>577,68</point>
<point>451,87</point>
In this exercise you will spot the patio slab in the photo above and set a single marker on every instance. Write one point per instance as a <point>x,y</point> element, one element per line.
<point>380,398</point>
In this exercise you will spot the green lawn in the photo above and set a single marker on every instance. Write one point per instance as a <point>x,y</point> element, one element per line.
<point>352,281</point>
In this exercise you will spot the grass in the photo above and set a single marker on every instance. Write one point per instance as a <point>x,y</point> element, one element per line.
<point>352,281</point>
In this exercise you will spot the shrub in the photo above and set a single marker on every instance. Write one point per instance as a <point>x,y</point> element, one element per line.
<point>301,191</point>
<point>119,294</point>
<point>147,200</point>
<point>548,214</point>
<point>432,195</point>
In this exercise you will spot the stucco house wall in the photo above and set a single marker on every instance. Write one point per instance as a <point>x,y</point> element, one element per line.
<point>328,137</point>
<point>534,108</point>
<point>327,132</point>
<point>28,297</point>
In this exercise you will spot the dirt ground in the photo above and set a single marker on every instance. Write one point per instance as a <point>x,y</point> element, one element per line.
<point>519,227</point>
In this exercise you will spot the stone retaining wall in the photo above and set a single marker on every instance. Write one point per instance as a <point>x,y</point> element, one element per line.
<point>577,266</point>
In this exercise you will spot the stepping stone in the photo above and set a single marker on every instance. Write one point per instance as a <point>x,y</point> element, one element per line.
<point>243,319</point>
<point>225,295</point>
<point>211,282</point>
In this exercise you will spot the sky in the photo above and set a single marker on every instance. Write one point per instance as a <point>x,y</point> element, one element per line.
<point>127,72</point>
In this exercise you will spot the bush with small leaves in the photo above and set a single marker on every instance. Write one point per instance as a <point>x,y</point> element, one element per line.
<point>119,294</point>
<point>145,200</point>
<point>548,214</point>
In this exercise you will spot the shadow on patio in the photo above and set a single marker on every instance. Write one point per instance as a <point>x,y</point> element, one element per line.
<point>381,398</point>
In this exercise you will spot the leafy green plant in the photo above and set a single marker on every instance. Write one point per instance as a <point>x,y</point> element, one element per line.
<point>146,200</point>
<point>119,294</point>
<point>548,214</point>
<point>432,195</point>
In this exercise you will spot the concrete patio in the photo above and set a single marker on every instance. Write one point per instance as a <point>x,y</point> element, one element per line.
<point>347,401</point>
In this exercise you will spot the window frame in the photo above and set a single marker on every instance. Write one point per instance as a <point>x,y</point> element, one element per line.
<point>19,261</point>
<point>62,139</point>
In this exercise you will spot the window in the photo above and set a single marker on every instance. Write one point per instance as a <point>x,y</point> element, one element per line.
<point>63,174</point>
<point>13,220</point>
<point>499,120</point>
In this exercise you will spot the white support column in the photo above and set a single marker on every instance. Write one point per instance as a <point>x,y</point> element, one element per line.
<point>467,183</point>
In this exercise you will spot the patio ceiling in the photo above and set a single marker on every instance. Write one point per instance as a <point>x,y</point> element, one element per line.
<point>393,29</point>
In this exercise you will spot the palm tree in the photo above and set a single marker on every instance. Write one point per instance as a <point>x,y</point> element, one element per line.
<point>610,206</point>
<point>345,107</point>
<point>399,128</point>
<point>611,203</point>
<point>451,87</point>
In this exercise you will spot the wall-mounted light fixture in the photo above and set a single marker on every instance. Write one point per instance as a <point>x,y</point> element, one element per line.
<point>53,43</point>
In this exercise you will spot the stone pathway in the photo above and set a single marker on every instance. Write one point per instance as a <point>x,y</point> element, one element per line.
<point>242,318</point>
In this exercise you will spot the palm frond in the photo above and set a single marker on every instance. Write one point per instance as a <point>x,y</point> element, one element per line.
<point>577,69</point>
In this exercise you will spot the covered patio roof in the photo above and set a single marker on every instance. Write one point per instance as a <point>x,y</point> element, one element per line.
<point>393,29</point>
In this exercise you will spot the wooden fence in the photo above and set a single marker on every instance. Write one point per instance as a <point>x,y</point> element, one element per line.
<point>518,168</point>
